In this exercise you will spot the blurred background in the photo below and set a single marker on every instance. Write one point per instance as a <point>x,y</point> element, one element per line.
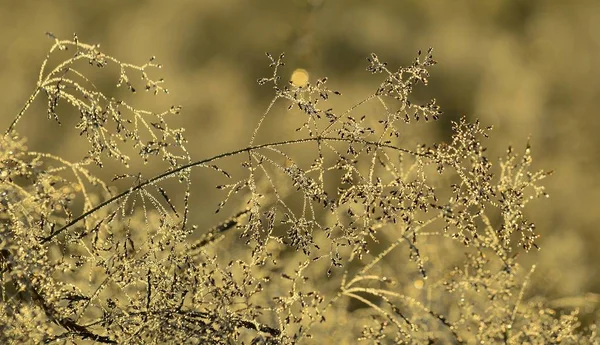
<point>529,68</point>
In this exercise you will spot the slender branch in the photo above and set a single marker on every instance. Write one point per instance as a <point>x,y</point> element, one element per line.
<point>198,316</point>
<point>212,234</point>
<point>23,110</point>
<point>207,160</point>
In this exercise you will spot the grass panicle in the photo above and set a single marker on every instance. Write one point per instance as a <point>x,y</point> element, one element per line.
<point>377,237</point>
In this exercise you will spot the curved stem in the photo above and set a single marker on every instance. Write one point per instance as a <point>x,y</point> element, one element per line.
<point>23,110</point>
<point>207,160</point>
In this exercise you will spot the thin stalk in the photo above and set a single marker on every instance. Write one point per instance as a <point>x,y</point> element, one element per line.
<point>207,160</point>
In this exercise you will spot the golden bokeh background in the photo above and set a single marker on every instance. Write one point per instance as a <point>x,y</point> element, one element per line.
<point>529,68</point>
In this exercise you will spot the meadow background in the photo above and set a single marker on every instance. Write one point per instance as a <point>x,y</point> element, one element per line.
<point>529,68</point>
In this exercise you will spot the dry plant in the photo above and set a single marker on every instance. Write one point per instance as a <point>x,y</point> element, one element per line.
<point>375,239</point>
